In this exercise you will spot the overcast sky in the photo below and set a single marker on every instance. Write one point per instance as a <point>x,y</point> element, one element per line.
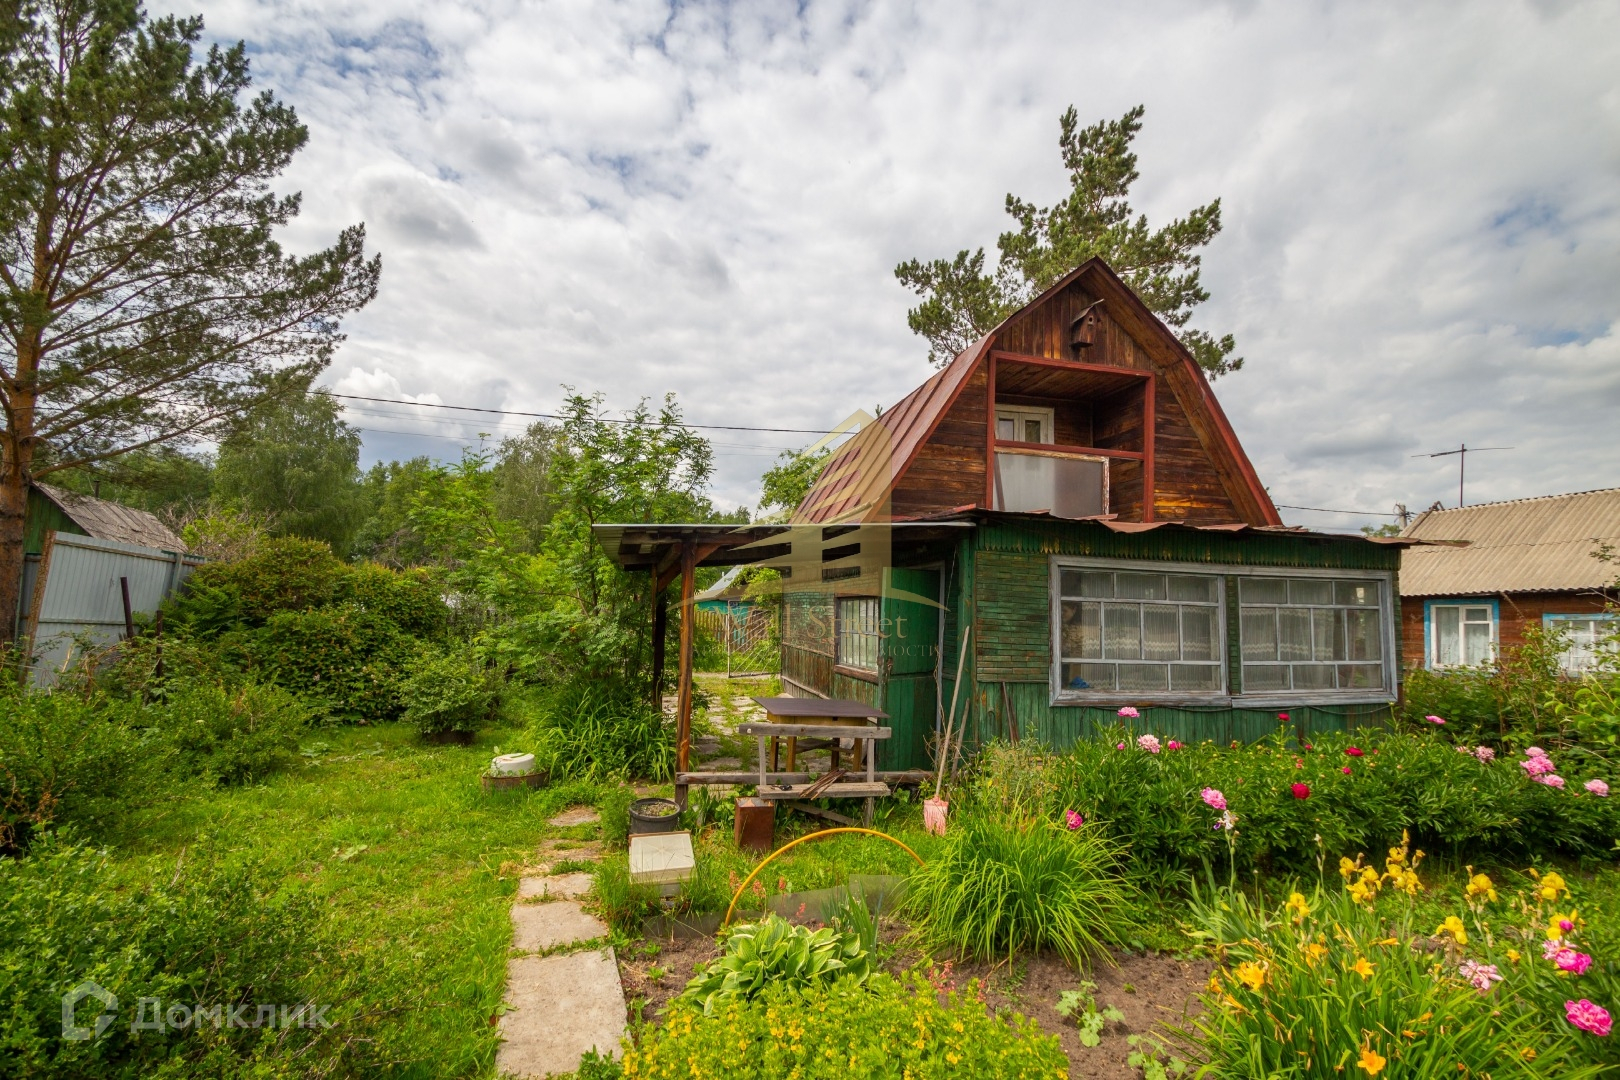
<point>1422,209</point>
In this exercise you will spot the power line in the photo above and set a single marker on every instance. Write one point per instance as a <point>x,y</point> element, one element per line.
<point>554,416</point>
<point>1324,510</point>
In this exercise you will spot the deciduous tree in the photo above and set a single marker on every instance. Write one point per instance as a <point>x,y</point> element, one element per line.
<point>143,297</point>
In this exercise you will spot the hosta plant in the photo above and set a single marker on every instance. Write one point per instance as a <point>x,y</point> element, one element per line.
<point>775,951</point>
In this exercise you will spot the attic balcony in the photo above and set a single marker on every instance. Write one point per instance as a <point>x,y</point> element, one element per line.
<point>1070,438</point>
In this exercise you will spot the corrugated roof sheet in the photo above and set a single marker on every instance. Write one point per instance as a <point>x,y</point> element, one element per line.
<point>113,521</point>
<point>1543,544</point>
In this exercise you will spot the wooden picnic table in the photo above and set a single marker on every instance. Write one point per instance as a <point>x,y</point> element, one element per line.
<point>821,723</point>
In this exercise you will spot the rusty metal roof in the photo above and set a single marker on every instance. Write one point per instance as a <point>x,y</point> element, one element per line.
<point>113,521</point>
<point>1543,544</point>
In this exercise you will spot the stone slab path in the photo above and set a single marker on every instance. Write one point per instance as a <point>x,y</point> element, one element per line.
<point>558,1006</point>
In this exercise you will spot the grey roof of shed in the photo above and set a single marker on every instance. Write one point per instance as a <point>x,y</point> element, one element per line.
<point>1543,544</point>
<point>113,521</point>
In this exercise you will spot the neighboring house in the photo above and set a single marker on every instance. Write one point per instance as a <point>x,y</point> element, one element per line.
<point>53,508</point>
<point>1070,488</point>
<point>1528,562</point>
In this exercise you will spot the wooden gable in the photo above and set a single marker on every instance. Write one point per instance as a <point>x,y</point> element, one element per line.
<point>931,453</point>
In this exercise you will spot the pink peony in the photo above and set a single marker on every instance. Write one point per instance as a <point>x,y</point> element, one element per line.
<point>1536,766</point>
<point>1565,925</point>
<point>1345,770</point>
<point>1073,819</point>
<point>1461,749</point>
<point>1484,753</point>
<point>1119,746</point>
<point>1228,821</point>
<point>1551,949</point>
<point>1354,751</point>
<point>1431,718</point>
<point>1282,717</point>
<point>1301,791</point>
<point>1307,746</point>
<point>1590,1018</point>
<point>1571,961</point>
<point>1598,788</point>
<point>1129,713</point>
<point>1214,798</point>
<point>1552,780</point>
<point>1150,743</point>
<point>1535,751</point>
<point>1479,975</point>
<point>1173,745</point>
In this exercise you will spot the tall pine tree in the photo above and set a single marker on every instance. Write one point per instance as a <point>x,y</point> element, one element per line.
<point>143,298</point>
<point>961,302</point>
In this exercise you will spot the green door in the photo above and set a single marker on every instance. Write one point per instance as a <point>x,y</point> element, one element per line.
<point>910,655</point>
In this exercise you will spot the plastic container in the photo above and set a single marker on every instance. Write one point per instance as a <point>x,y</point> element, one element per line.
<point>653,816</point>
<point>512,765</point>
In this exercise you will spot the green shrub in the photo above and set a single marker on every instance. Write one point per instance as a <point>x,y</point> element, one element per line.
<point>447,691</point>
<point>613,806</point>
<point>281,574</point>
<point>1450,801</point>
<point>586,732</point>
<point>1000,885</point>
<point>343,656</point>
<point>406,598</point>
<point>775,952</point>
<point>231,734</point>
<point>1335,986</point>
<point>68,759</point>
<point>847,1031</point>
<point>215,932</point>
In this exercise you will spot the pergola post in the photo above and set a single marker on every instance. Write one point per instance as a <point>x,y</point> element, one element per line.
<point>683,713</point>
<point>660,625</point>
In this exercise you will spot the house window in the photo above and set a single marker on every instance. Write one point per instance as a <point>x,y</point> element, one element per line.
<point>1020,424</point>
<point>1461,634</point>
<point>1590,640</point>
<point>858,637</point>
<point>1133,632</point>
<point>1310,634</point>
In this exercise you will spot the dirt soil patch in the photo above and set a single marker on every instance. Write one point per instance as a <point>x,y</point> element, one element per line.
<point>675,963</point>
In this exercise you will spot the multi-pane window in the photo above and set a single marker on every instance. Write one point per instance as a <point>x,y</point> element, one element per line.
<point>1461,635</point>
<point>1589,639</point>
<point>1310,634</point>
<point>858,637</point>
<point>1132,632</point>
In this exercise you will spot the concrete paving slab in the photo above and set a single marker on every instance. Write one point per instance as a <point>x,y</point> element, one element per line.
<point>558,1007</point>
<point>561,887</point>
<point>576,815</point>
<point>537,927</point>
<point>661,858</point>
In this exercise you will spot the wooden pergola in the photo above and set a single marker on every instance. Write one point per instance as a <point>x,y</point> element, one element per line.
<point>677,550</point>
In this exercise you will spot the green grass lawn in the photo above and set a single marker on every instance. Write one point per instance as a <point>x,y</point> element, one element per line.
<point>415,866</point>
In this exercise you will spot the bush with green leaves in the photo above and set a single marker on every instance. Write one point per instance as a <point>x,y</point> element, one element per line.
<point>230,734</point>
<point>1333,984</point>
<point>66,758</point>
<point>775,952</point>
<point>447,691</point>
<point>845,1030</point>
<point>1340,794</point>
<point>343,657</point>
<point>212,931</point>
<point>590,732</point>
<point>1001,884</point>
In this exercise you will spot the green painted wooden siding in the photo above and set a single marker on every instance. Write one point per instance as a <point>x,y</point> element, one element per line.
<point>42,517</point>
<point>910,649</point>
<point>1179,545</point>
<point>1014,626</point>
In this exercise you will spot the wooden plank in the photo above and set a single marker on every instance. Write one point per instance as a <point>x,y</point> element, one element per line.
<point>990,436</point>
<point>1149,422</point>
<point>841,790</point>
<point>815,811</point>
<point>1069,365</point>
<point>886,776</point>
<point>1054,450</point>
<point>813,731</point>
<point>830,707</point>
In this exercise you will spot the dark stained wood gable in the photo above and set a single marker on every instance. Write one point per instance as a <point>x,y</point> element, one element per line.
<point>948,470</point>
<point>1189,488</point>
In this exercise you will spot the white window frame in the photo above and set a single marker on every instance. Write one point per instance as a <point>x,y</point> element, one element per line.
<point>840,635</point>
<point>1603,624</point>
<point>1388,639</point>
<point>1018,413</point>
<point>1432,608</point>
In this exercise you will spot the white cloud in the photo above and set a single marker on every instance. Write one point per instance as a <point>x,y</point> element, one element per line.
<point>1422,207</point>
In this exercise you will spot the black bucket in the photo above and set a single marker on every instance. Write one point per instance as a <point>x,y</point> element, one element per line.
<point>653,816</point>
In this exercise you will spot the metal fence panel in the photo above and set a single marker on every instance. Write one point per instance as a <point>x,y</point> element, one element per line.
<point>82,603</point>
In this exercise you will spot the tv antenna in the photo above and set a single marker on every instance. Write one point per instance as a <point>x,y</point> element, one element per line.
<point>1462,452</point>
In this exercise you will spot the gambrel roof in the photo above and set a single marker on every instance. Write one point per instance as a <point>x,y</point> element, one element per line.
<point>862,476</point>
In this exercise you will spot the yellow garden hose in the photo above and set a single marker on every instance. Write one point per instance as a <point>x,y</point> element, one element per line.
<point>795,843</point>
